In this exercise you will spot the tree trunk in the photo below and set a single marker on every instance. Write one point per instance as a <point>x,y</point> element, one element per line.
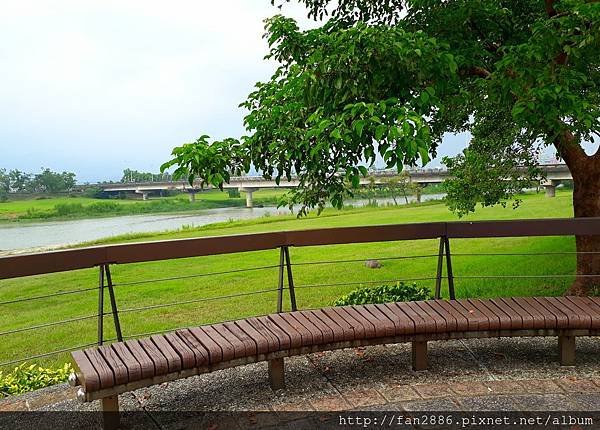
<point>586,203</point>
<point>585,170</point>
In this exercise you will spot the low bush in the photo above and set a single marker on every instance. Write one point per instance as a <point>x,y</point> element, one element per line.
<point>400,292</point>
<point>29,377</point>
<point>233,193</point>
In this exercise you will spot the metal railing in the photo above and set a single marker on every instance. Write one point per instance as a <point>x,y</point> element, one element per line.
<point>104,257</point>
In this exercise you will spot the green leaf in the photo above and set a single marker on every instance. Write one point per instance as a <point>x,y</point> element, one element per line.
<point>379,131</point>
<point>358,126</point>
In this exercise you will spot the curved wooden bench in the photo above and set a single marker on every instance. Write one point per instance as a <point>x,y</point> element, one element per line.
<point>105,372</point>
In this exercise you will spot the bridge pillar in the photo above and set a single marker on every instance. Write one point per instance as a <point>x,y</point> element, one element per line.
<point>143,193</point>
<point>248,191</point>
<point>419,191</point>
<point>550,187</point>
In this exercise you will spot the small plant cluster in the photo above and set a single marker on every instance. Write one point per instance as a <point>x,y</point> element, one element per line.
<point>400,292</point>
<point>29,377</point>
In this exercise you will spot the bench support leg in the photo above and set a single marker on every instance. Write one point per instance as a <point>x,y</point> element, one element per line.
<point>419,355</point>
<point>276,374</point>
<point>110,412</point>
<point>566,350</point>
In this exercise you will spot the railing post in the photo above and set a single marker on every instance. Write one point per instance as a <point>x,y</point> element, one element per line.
<point>280,287</point>
<point>101,305</point>
<point>113,303</point>
<point>438,278</point>
<point>290,278</point>
<point>449,269</point>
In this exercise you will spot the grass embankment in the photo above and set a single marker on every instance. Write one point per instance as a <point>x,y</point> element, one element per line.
<point>130,297</point>
<point>57,208</point>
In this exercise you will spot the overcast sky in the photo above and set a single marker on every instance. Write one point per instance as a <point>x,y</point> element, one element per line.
<point>95,87</point>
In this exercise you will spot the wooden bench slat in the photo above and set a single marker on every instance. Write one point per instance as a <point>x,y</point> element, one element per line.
<point>493,319</point>
<point>107,378</point>
<point>561,314</point>
<point>239,347</point>
<point>402,323</point>
<point>451,323</point>
<point>227,348</point>
<point>462,323</point>
<point>515,318</point>
<point>284,339</point>
<point>415,314</point>
<point>306,318</point>
<point>273,341</point>
<point>173,358</point>
<point>428,312</point>
<point>88,375</point>
<point>480,320</point>
<point>294,335</point>
<point>539,320</point>
<point>587,307</point>
<point>134,369</point>
<point>161,365</point>
<point>249,343</point>
<point>186,355</point>
<point>201,354</point>
<point>369,328</point>
<point>385,321</point>
<point>472,322</point>
<point>357,328</point>
<point>263,344</point>
<point>311,335</point>
<point>505,320</point>
<point>526,318</point>
<point>142,357</point>
<point>337,331</point>
<point>114,362</point>
<point>215,351</point>
<point>576,319</point>
<point>383,327</point>
<point>549,317</point>
<point>347,329</point>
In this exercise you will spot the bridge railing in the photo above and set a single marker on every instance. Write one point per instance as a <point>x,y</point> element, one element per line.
<point>286,283</point>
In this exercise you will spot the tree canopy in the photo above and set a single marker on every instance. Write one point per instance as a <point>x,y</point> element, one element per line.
<point>388,78</point>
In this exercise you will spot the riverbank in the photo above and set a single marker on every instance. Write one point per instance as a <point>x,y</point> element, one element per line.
<point>64,208</point>
<point>184,280</point>
<point>70,208</point>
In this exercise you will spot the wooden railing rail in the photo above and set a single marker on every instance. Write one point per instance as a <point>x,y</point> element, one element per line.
<point>81,258</point>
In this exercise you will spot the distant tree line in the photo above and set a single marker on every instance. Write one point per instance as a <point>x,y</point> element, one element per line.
<point>47,181</point>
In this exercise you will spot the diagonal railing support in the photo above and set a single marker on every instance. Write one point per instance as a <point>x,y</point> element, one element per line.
<point>444,253</point>
<point>285,265</point>
<point>440,266</point>
<point>105,282</point>
<point>113,303</point>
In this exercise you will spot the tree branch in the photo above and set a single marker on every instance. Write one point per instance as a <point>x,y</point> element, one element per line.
<point>480,72</point>
<point>570,150</point>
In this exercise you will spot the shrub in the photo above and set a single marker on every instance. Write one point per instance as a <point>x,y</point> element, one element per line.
<point>31,377</point>
<point>400,292</point>
<point>3,196</point>
<point>65,209</point>
<point>233,193</point>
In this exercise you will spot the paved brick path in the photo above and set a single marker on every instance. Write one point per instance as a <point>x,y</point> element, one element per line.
<point>491,375</point>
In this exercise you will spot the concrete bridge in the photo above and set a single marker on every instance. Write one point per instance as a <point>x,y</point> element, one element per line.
<point>554,174</point>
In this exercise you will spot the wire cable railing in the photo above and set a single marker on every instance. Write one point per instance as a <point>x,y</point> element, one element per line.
<point>286,284</point>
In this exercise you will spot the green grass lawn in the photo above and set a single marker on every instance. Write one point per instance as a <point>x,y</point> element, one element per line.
<point>83,207</point>
<point>340,277</point>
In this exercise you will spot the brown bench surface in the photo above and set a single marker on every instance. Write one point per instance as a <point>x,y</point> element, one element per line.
<point>120,363</point>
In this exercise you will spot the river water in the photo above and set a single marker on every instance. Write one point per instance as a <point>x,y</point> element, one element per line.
<point>17,237</point>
